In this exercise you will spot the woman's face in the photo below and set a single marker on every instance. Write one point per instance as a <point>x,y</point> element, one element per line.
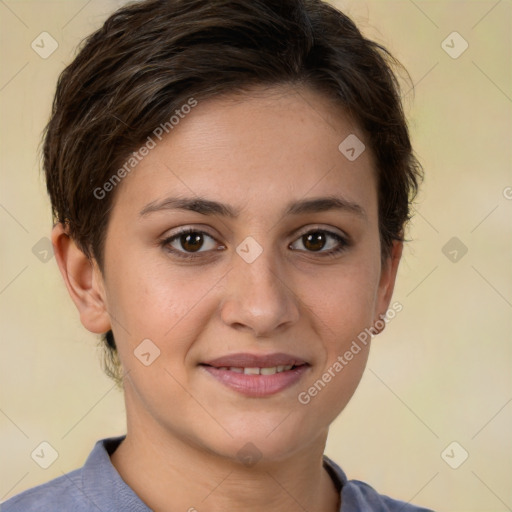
<point>280,267</point>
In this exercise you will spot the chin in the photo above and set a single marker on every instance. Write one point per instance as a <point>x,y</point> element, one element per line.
<point>269,438</point>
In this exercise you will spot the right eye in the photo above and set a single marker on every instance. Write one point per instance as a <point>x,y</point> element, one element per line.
<point>188,242</point>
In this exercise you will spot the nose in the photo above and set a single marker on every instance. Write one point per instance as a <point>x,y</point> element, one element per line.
<point>258,299</point>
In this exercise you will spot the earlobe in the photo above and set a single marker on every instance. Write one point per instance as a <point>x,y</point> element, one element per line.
<point>83,280</point>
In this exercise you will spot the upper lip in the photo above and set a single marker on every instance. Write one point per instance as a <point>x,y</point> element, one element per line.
<point>245,360</point>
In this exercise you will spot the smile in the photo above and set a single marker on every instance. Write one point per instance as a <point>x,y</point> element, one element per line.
<point>257,375</point>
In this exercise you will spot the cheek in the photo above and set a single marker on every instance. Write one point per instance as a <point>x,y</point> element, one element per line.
<point>156,301</point>
<point>342,304</point>
<point>342,312</point>
<point>343,301</point>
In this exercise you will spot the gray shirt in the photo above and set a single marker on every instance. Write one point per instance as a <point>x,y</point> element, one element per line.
<point>98,487</point>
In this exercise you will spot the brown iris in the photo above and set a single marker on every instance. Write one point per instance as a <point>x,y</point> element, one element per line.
<point>314,241</point>
<point>191,242</point>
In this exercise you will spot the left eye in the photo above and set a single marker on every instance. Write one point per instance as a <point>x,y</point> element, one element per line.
<point>320,241</point>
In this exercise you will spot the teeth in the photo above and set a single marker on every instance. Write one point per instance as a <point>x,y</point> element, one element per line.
<point>258,371</point>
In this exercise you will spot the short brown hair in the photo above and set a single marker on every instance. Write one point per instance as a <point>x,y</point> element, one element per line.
<point>149,58</point>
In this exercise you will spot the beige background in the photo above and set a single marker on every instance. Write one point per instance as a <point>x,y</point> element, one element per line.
<point>441,372</point>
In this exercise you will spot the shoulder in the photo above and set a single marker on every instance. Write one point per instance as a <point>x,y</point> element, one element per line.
<point>357,495</point>
<point>361,496</point>
<point>62,493</point>
<point>95,486</point>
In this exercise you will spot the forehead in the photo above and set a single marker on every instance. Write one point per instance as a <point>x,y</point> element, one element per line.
<point>263,147</point>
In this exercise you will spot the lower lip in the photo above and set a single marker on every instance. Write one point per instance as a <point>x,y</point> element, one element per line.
<point>258,385</point>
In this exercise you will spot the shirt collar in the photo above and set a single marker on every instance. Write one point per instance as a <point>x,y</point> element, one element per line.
<point>100,474</point>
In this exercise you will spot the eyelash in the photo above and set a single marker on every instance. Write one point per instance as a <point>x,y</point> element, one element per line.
<point>165,243</point>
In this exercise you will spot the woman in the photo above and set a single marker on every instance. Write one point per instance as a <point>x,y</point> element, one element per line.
<point>230,182</point>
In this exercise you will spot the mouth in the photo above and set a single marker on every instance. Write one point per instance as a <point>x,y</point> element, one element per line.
<point>257,375</point>
<point>271,370</point>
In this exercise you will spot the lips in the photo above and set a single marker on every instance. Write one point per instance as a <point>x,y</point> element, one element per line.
<point>257,375</point>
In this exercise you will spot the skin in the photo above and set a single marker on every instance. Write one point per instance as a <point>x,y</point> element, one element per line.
<point>256,152</point>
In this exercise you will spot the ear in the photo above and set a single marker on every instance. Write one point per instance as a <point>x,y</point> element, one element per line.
<point>387,282</point>
<point>83,280</point>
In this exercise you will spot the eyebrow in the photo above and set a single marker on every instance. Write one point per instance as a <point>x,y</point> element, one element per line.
<point>209,207</point>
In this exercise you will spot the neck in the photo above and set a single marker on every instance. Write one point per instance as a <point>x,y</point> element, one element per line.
<point>172,473</point>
